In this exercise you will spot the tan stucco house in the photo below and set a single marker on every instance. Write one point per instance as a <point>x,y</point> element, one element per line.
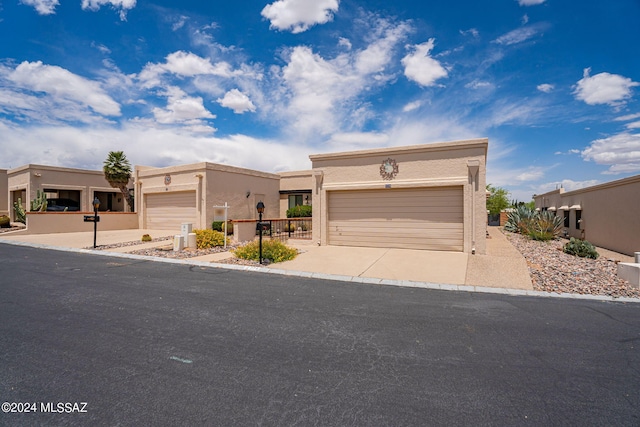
<point>4,192</point>
<point>429,196</point>
<point>605,214</point>
<point>167,197</point>
<point>295,190</point>
<point>78,185</point>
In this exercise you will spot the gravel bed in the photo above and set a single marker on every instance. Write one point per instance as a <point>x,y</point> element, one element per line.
<point>166,251</point>
<point>132,243</point>
<point>12,228</point>
<point>552,270</point>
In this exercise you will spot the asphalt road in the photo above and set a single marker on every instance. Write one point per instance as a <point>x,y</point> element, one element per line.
<point>150,343</point>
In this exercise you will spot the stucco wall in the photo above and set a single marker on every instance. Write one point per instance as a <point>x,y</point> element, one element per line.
<point>294,181</point>
<point>214,185</point>
<point>4,192</point>
<point>69,222</point>
<point>420,166</point>
<point>610,213</point>
<point>33,178</point>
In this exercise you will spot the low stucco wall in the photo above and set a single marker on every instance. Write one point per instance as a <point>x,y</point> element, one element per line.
<point>4,192</point>
<point>68,222</point>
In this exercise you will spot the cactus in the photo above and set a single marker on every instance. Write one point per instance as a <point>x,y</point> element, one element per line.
<point>39,204</point>
<point>21,215</point>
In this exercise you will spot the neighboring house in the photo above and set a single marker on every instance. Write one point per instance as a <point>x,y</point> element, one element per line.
<point>4,192</point>
<point>429,196</point>
<point>76,188</point>
<point>295,190</point>
<point>605,214</point>
<point>167,197</point>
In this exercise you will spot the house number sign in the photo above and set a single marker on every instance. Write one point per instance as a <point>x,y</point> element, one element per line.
<point>389,169</point>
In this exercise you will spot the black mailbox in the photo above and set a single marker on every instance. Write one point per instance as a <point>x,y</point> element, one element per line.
<point>91,218</point>
<point>263,226</point>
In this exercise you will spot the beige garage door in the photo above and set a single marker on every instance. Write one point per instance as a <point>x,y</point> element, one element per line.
<point>167,211</point>
<point>397,218</point>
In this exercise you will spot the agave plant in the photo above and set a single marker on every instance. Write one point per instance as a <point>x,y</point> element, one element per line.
<point>520,220</point>
<point>537,225</point>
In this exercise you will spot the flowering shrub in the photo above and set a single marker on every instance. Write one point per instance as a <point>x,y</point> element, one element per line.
<point>273,250</point>
<point>208,238</point>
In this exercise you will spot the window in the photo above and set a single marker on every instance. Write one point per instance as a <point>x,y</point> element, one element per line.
<point>295,200</point>
<point>567,224</point>
<point>578,218</point>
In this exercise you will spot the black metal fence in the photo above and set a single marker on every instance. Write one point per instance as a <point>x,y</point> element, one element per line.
<point>289,228</point>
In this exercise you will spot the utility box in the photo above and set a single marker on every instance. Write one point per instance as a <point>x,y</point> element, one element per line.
<point>178,242</point>
<point>630,272</point>
<point>186,228</point>
<point>192,241</point>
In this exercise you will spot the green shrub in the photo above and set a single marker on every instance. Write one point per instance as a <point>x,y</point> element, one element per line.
<point>273,250</point>
<point>5,221</point>
<point>299,211</point>
<point>580,248</point>
<point>208,238</point>
<point>146,238</point>
<point>219,225</point>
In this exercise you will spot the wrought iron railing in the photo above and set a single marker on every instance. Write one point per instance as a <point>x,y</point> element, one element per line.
<point>289,228</point>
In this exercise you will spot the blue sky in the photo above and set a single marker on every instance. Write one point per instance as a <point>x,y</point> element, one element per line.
<point>554,85</point>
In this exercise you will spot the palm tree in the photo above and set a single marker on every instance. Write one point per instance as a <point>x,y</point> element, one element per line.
<point>117,170</point>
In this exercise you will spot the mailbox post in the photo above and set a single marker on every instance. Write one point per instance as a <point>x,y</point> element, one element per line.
<point>260,209</point>
<point>94,219</point>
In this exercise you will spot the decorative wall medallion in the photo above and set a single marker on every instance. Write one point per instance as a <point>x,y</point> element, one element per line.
<point>167,179</point>
<point>389,169</point>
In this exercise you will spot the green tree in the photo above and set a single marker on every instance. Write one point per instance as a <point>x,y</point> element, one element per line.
<point>117,171</point>
<point>497,199</point>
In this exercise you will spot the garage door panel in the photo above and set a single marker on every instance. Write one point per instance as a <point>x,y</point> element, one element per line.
<point>425,218</point>
<point>395,224</point>
<point>167,211</point>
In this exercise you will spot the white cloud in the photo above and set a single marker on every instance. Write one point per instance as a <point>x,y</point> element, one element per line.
<point>478,84</point>
<point>298,16</point>
<point>567,184</point>
<point>545,87</point>
<point>184,64</point>
<point>412,106</point>
<point>531,174</point>
<point>185,110</point>
<point>315,96</point>
<point>122,5</point>
<point>520,35</point>
<point>60,84</point>
<point>627,117</point>
<point>603,88</point>
<point>620,152</point>
<point>43,7</point>
<point>530,2</point>
<point>471,31</point>
<point>633,125</point>
<point>69,146</point>
<point>525,19</point>
<point>237,101</point>
<point>422,68</point>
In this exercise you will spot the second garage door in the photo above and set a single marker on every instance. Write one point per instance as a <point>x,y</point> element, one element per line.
<point>426,218</point>
<point>167,211</point>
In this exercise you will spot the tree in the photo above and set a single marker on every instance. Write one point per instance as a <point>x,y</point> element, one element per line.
<point>497,200</point>
<point>117,171</point>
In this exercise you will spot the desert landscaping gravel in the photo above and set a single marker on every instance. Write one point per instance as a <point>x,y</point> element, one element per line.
<point>552,270</point>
